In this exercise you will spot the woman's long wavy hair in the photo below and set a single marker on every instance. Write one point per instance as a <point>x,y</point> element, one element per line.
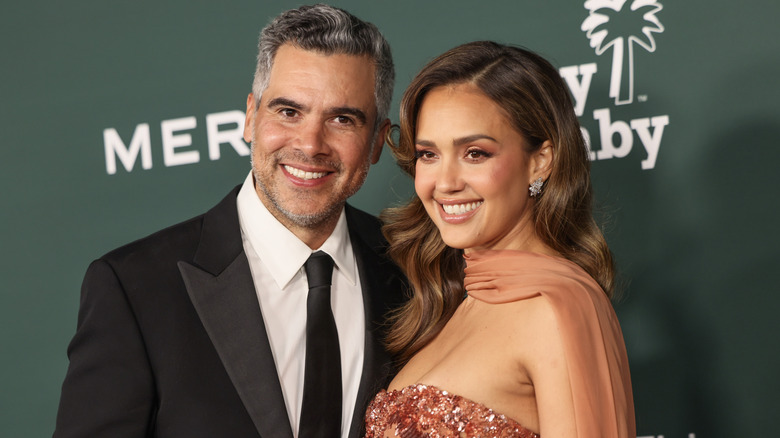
<point>536,101</point>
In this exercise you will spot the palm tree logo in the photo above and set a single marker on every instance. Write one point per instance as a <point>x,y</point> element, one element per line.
<point>607,28</point>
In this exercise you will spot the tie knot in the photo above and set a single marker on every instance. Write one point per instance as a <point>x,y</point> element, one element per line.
<point>319,269</point>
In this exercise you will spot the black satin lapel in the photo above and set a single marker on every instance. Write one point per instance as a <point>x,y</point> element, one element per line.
<point>229,310</point>
<point>220,241</point>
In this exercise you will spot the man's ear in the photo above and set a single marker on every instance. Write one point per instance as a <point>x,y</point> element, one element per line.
<point>379,141</point>
<point>542,161</point>
<point>249,126</point>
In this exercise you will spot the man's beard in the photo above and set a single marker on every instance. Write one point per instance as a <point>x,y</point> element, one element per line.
<point>306,220</point>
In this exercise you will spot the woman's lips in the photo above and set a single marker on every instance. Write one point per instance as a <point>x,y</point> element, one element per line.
<point>454,212</point>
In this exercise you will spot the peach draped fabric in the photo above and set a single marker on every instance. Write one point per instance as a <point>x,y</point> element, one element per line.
<point>593,342</point>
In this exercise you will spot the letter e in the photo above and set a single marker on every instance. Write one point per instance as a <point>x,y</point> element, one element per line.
<point>171,141</point>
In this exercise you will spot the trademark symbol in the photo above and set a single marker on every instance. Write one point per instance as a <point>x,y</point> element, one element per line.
<point>642,98</point>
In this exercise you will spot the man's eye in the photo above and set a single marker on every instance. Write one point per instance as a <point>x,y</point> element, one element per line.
<point>288,112</point>
<point>344,120</point>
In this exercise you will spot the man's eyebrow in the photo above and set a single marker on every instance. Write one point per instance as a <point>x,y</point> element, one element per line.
<point>283,101</point>
<point>286,102</point>
<point>355,112</point>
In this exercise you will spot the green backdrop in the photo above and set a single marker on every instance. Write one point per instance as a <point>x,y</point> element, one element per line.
<point>685,155</point>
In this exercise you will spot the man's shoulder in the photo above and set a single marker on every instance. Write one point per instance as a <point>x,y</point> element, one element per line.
<point>362,219</point>
<point>179,241</point>
<point>176,238</point>
<point>365,225</point>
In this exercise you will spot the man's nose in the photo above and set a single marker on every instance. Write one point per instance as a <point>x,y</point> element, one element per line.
<point>312,138</point>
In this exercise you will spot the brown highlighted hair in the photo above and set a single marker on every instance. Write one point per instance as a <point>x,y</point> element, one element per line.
<point>537,103</point>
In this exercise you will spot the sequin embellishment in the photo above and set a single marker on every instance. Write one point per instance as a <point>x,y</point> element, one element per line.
<point>424,411</point>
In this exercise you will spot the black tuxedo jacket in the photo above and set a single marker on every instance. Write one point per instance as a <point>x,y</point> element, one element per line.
<point>171,341</point>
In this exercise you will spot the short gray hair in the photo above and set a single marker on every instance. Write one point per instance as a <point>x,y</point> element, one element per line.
<point>327,30</point>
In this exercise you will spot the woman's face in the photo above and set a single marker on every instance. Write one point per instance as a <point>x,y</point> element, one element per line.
<point>473,171</point>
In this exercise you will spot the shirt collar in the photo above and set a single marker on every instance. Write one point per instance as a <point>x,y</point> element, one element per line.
<point>267,236</point>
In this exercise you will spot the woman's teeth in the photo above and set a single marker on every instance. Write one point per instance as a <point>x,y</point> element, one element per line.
<point>460,208</point>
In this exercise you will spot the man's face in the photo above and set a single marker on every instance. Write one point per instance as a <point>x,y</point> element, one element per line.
<point>311,135</point>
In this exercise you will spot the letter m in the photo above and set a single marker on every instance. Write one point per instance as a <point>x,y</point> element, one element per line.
<point>115,147</point>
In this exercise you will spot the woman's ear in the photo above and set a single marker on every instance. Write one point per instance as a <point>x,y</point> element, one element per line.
<point>542,161</point>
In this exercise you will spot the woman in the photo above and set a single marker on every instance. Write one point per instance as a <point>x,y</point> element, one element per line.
<point>527,343</point>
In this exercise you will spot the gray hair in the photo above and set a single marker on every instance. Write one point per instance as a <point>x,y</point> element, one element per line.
<point>327,30</point>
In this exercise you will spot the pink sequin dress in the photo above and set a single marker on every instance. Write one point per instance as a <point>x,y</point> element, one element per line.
<point>424,411</point>
<point>593,344</point>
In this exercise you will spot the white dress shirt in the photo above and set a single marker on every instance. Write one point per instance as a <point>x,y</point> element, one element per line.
<point>276,257</point>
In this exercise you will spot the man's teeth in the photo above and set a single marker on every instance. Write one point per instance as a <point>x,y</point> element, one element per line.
<point>303,174</point>
<point>460,208</point>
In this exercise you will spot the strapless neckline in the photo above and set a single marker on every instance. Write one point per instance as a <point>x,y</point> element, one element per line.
<point>421,410</point>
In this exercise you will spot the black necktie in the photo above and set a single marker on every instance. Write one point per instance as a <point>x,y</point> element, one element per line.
<point>321,407</point>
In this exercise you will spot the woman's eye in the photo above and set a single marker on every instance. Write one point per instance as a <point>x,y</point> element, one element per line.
<point>425,155</point>
<point>477,154</point>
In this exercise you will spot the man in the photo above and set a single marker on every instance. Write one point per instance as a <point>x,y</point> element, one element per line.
<point>200,330</point>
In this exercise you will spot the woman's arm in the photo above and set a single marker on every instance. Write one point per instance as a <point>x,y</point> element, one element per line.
<point>548,369</point>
